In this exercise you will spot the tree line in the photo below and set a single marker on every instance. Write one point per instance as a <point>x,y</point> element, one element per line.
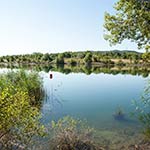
<point>74,58</point>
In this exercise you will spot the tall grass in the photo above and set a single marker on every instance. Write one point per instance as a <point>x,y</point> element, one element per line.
<point>29,82</point>
<point>142,110</point>
<point>21,93</point>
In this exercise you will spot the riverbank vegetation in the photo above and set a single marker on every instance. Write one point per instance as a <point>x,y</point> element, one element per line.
<point>142,111</point>
<point>20,93</point>
<point>100,58</point>
<point>73,134</point>
<point>20,118</point>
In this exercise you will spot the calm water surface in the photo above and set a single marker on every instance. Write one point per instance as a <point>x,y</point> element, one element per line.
<point>92,97</point>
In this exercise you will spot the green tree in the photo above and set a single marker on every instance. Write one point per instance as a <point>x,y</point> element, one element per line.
<point>80,55</point>
<point>60,59</point>
<point>46,57</point>
<point>88,58</point>
<point>131,21</point>
<point>146,56</point>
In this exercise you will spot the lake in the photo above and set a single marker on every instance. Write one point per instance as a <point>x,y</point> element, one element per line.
<point>95,98</point>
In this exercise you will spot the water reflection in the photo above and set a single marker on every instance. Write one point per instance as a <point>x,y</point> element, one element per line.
<point>87,69</point>
<point>93,93</point>
<point>116,132</point>
<point>52,98</point>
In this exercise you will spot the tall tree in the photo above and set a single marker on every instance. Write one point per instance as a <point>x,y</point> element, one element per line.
<point>131,21</point>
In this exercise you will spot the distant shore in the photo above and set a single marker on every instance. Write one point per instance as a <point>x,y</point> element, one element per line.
<point>96,58</point>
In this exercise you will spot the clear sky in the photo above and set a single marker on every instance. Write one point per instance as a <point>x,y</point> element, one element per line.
<point>28,26</point>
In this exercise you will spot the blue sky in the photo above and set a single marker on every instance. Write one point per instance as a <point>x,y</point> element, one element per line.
<point>28,26</point>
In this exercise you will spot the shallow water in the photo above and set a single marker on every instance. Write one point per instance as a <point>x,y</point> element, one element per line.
<point>91,97</point>
<point>95,98</point>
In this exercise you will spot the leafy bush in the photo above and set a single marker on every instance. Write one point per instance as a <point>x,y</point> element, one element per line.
<point>19,120</point>
<point>88,58</point>
<point>60,59</point>
<point>71,134</point>
<point>28,82</point>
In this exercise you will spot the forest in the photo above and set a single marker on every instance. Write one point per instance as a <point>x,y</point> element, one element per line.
<point>121,58</point>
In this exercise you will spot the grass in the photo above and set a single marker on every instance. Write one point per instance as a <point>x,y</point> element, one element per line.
<point>20,95</point>
<point>29,82</point>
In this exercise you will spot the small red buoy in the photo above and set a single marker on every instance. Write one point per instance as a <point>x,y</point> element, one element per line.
<point>51,76</point>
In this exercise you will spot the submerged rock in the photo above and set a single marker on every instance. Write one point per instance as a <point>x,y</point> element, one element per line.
<point>119,114</point>
<point>119,117</point>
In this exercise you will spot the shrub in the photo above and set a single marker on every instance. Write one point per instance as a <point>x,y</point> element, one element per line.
<point>28,82</point>
<point>71,134</point>
<point>19,120</point>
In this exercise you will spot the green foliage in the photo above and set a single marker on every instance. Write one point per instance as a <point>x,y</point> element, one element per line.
<point>146,56</point>
<point>46,57</point>
<point>60,59</point>
<point>81,55</point>
<point>73,62</point>
<point>19,118</point>
<point>88,58</point>
<point>142,110</point>
<point>131,21</point>
<point>120,63</point>
<point>71,134</point>
<point>67,54</point>
<point>28,82</point>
